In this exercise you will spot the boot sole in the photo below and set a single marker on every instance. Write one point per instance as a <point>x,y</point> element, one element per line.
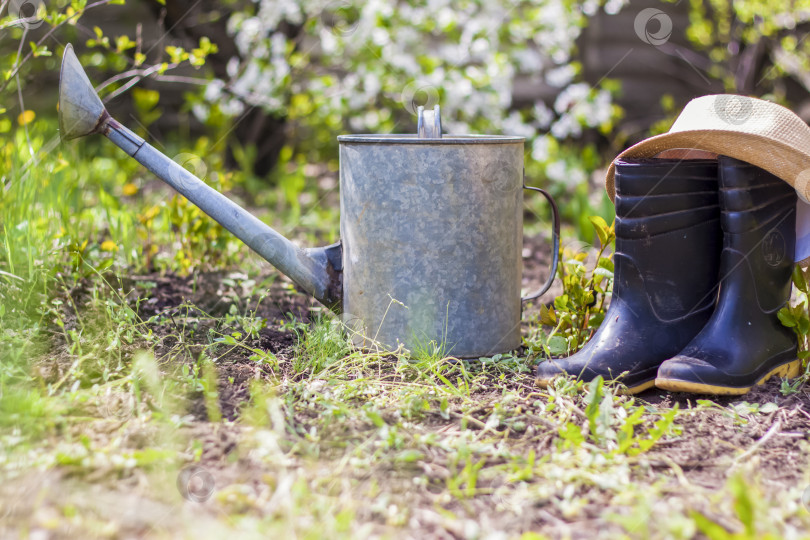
<point>623,391</point>
<point>789,370</point>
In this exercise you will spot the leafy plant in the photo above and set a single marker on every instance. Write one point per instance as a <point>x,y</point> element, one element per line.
<point>319,346</point>
<point>580,309</point>
<point>616,423</point>
<point>796,315</point>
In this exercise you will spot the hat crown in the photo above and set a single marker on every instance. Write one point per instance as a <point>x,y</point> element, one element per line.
<point>743,114</point>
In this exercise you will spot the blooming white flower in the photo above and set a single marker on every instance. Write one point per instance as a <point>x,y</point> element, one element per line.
<point>540,149</point>
<point>354,58</point>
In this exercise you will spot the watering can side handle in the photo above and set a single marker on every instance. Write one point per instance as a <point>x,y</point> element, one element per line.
<point>555,254</point>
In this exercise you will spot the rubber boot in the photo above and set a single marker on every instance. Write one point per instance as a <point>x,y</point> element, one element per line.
<point>744,343</point>
<point>666,267</point>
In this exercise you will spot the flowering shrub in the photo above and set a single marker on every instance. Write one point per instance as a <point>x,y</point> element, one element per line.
<point>365,66</point>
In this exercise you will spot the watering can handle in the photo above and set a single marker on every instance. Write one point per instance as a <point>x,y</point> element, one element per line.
<point>555,254</point>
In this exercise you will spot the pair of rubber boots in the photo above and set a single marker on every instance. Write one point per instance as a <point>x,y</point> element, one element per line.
<point>703,263</point>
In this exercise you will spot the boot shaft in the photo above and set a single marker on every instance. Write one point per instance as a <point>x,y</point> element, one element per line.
<point>744,343</point>
<point>669,194</point>
<point>668,235</point>
<point>759,227</point>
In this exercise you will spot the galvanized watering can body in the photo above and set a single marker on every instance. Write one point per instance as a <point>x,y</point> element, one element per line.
<point>432,235</point>
<point>431,230</point>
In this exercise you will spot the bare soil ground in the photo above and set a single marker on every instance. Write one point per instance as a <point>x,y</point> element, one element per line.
<point>488,465</point>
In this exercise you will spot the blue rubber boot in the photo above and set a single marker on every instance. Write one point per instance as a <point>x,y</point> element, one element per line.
<point>744,343</point>
<point>666,266</point>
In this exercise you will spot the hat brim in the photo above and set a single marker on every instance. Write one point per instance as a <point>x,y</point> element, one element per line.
<point>776,157</point>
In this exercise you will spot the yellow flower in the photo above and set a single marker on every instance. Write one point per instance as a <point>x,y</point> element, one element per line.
<point>108,245</point>
<point>130,189</point>
<point>149,215</point>
<point>26,117</point>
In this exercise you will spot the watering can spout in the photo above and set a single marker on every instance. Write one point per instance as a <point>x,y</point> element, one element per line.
<point>317,271</point>
<point>80,109</point>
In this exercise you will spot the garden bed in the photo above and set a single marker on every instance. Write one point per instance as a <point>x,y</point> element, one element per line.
<point>288,432</point>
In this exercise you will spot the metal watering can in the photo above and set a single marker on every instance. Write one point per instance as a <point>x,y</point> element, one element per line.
<point>431,229</point>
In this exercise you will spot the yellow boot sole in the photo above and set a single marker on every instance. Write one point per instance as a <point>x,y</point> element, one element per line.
<point>789,370</point>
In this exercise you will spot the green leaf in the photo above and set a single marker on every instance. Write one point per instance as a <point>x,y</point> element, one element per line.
<point>409,456</point>
<point>743,505</point>
<point>177,54</point>
<point>709,404</point>
<point>105,264</point>
<point>38,51</point>
<point>798,279</point>
<point>547,316</point>
<point>571,433</point>
<point>148,456</point>
<point>803,326</point>
<point>561,302</point>
<point>594,400</point>
<point>375,418</point>
<point>625,435</point>
<point>444,408</point>
<point>145,99</point>
<point>557,345</point>
<point>712,530</point>
<point>123,43</point>
<point>605,263</point>
<point>786,317</point>
<point>769,407</point>
<point>602,229</point>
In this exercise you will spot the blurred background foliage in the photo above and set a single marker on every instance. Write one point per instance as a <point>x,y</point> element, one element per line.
<point>252,94</point>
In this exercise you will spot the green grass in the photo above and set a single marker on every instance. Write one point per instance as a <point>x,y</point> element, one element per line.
<point>109,389</point>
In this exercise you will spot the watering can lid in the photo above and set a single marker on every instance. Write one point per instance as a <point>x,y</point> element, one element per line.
<point>413,139</point>
<point>429,131</point>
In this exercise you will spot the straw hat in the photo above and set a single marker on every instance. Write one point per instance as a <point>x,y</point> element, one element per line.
<point>753,130</point>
